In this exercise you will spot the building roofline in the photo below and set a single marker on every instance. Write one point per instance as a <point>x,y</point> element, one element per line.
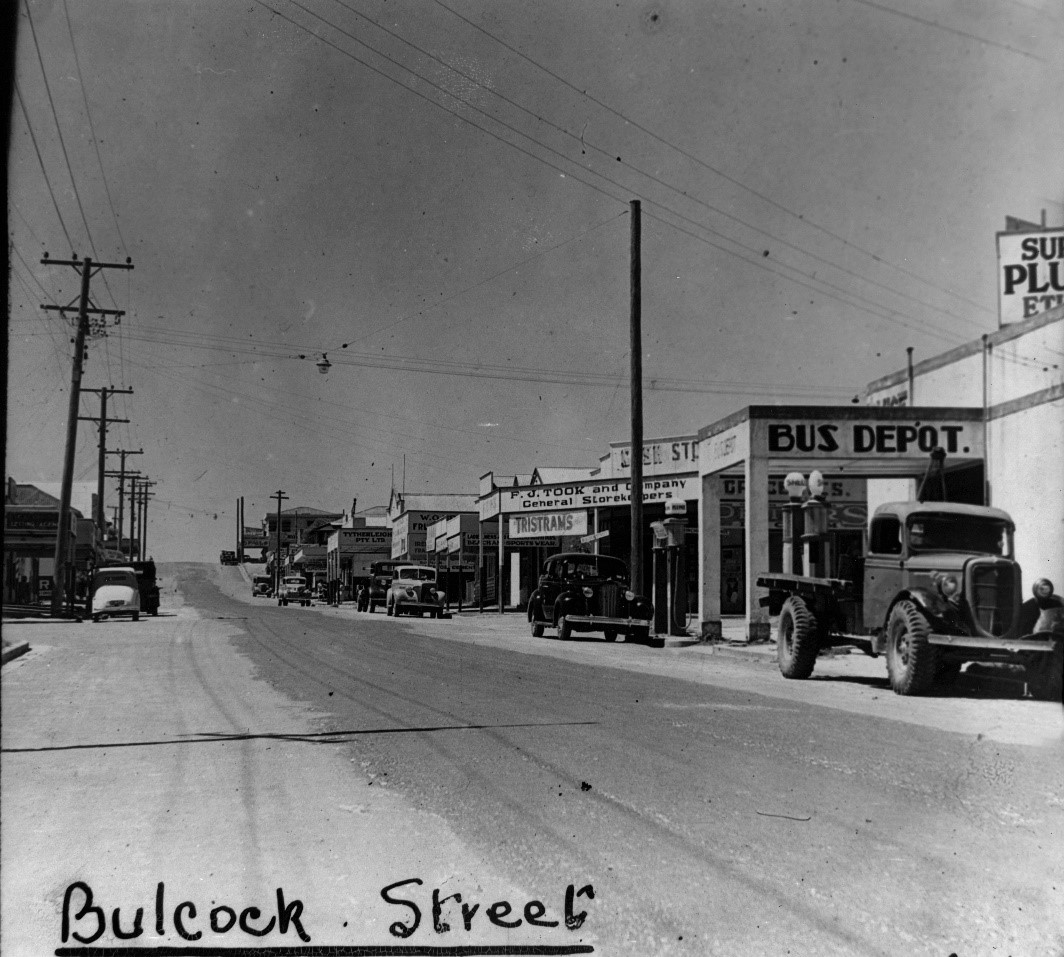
<point>1012,331</point>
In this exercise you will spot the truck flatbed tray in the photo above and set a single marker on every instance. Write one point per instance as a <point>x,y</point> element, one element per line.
<point>839,587</point>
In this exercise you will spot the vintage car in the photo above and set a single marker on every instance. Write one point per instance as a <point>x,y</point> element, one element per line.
<point>262,585</point>
<point>293,589</point>
<point>115,592</point>
<point>413,592</point>
<point>381,575</point>
<point>579,592</point>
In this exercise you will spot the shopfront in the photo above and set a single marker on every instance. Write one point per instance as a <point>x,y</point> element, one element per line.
<point>866,456</point>
<point>349,554</point>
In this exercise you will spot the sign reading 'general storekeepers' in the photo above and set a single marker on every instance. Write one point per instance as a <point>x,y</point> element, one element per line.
<point>600,494</point>
<point>1030,273</point>
<point>552,523</point>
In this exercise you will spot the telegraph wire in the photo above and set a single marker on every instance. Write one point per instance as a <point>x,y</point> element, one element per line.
<point>92,129</point>
<point>44,172</point>
<point>883,8</point>
<point>66,155</point>
<point>713,169</point>
<point>756,256</point>
<point>685,194</point>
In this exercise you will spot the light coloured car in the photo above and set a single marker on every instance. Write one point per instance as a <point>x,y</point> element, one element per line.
<point>413,591</point>
<point>115,592</point>
<point>293,590</point>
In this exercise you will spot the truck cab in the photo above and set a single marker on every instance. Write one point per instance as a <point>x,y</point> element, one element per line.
<point>937,586</point>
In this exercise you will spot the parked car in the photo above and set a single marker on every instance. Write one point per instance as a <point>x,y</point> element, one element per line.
<point>262,585</point>
<point>579,592</point>
<point>293,589</point>
<point>413,591</point>
<point>149,588</point>
<point>228,558</point>
<point>381,575</point>
<point>115,592</point>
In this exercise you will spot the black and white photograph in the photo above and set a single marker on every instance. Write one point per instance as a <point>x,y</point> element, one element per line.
<point>557,477</point>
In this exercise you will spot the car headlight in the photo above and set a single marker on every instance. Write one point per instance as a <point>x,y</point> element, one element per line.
<point>588,592</point>
<point>410,593</point>
<point>1043,588</point>
<point>629,596</point>
<point>947,585</point>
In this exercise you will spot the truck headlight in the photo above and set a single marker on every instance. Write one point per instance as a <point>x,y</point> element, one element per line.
<point>629,596</point>
<point>948,585</point>
<point>588,592</point>
<point>1042,589</point>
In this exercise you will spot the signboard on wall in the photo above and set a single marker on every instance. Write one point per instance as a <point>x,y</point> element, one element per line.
<point>595,494</point>
<point>550,523</point>
<point>661,457</point>
<point>351,541</point>
<point>856,439</point>
<point>1030,273</point>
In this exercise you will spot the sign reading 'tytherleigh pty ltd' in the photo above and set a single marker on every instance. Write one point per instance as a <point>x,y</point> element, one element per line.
<point>602,494</point>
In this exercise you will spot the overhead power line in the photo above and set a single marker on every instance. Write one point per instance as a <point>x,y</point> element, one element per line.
<point>678,191</point>
<point>755,258</point>
<point>694,158</point>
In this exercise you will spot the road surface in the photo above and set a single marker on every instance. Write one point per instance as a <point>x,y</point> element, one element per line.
<point>231,748</point>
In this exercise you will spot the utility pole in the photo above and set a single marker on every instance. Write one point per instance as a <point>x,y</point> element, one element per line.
<point>84,328</point>
<point>637,399</point>
<point>103,421</point>
<point>280,496</point>
<point>145,495</point>
<point>121,476</point>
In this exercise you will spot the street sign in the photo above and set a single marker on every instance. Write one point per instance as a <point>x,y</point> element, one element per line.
<point>594,537</point>
<point>675,507</point>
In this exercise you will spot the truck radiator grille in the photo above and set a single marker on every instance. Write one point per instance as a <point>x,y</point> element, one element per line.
<point>993,597</point>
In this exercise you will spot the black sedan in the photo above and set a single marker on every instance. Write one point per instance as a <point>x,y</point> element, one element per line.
<point>579,592</point>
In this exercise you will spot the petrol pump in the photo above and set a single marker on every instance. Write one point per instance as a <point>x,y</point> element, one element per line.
<point>815,529</point>
<point>670,573</point>
<point>794,485</point>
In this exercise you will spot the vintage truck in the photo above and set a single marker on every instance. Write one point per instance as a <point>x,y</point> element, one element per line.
<point>938,586</point>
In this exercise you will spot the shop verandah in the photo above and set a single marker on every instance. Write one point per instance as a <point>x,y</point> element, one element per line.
<point>887,447</point>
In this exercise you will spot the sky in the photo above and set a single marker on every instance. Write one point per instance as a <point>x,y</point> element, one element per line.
<point>436,195</point>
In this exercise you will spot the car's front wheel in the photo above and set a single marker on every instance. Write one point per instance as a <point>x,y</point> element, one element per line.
<point>136,616</point>
<point>565,630</point>
<point>910,654</point>
<point>536,628</point>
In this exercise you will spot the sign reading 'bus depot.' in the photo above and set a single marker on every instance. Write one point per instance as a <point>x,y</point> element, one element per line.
<point>855,439</point>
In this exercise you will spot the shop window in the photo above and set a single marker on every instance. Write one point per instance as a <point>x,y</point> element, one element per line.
<point>886,536</point>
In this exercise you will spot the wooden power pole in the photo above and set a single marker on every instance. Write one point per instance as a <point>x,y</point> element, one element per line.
<point>637,400</point>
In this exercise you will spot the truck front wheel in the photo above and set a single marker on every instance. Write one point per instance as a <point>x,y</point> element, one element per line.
<point>1045,677</point>
<point>797,640</point>
<point>910,655</point>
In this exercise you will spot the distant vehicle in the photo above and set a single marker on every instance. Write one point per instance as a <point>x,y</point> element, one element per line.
<point>115,592</point>
<point>262,585</point>
<point>580,592</point>
<point>413,591</point>
<point>293,589</point>
<point>228,558</point>
<point>381,575</point>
